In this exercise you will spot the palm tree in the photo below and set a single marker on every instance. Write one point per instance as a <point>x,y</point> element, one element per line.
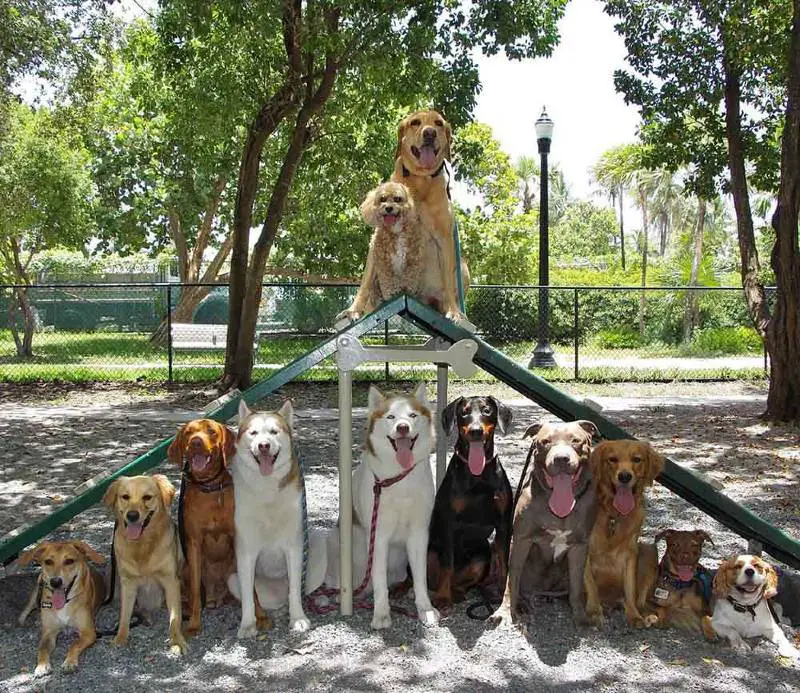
<point>527,170</point>
<point>612,174</point>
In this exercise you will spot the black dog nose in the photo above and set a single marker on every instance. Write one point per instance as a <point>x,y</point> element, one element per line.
<point>263,446</point>
<point>132,516</point>
<point>403,429</point>
<point>388,209</point>
<point>56,582</point>
<point>624,477</point>
<point>429,133</point>
<point>561,459</point>
<point>749,572</point>
<point>475,433</point>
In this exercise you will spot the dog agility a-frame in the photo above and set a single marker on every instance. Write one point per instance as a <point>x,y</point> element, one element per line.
<point>682,481</point>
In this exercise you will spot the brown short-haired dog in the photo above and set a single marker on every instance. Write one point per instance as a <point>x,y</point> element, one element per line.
<point>204,448</point>
<point>681,596</point>
<point>69,592</point>
<point>617,566</point>
<point>145,548</point>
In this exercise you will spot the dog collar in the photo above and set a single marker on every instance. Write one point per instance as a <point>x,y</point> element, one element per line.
<point>437,172</point>
<point>49,605</point>
<point>746,608</point>
<point>667,580</point>
<point>220,482</point>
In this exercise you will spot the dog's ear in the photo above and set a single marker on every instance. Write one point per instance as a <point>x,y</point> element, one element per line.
<point>401,133</point>
<point>375,398</point>
<point>287,412</point>
<point>532,430</point>
<point>448,133</point>
<point>590,427</point>
<point>228,444</point>
<point>720,584</point>
<point>421,393</point>
<point>89,552</point>
<point>771,588</point>
<point>110,496</point>
<point>664,534</point>
<point>369,208</point>
<point>33,555</point>
<point>244,411</point>
<point>655,465</point>
<point>504,415</point>
<point>449,415</point>
<point>702,535</point>
<point>176,448</point>
<point>166,489</point>
<point>596,459</point>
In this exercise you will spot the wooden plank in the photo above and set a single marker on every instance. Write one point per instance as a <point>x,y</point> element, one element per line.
<point>18,539</point>
<point>680,480</point>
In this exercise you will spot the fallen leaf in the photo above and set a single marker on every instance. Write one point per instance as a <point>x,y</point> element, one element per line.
<point>786,661</point>
<point>149,659</point>
<point>262,637</point>
<point>678,662</point>
<point>711,660</point>
<point>403,648</point>
<point>644,647</point>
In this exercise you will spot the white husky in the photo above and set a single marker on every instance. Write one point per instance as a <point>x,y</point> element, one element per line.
<point>400,438</point>
<point>268,520</point>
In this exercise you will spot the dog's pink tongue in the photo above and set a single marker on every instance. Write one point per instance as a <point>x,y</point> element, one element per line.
<point>134,530</point>
<point>403,454</point>
<point>59,599</point>
<point>389,219</point>
<point>624,501</point>
<point>427,157</point>
<point>265,464</point>
<point>685,572</point>
<point>477,458</point>
<point>199,462</point>
<point>562,499</point>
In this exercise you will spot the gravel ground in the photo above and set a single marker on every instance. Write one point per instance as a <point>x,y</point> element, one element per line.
<point>54,438</point>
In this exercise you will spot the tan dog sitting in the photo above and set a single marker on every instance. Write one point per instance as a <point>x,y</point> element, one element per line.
<point>69,592</point>
<point>423,144</point>
<point>146,549</point>
<point>398,259</point>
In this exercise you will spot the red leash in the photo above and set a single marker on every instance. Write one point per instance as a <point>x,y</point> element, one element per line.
<point>330,592</point>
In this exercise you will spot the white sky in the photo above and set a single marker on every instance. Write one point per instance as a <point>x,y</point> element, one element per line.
<point>576,85</point>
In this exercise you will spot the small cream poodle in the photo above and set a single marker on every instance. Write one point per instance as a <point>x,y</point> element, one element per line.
<point>398,254</point>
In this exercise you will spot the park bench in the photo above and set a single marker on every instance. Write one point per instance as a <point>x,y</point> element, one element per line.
<point>197,337</point>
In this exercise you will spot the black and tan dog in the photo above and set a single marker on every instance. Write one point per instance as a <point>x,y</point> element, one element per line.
<point>553,519</point>
<point>473,501</point>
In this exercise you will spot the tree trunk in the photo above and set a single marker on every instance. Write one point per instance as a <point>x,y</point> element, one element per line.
<point>645,244</point>
<point>783,331</point>
<point>622,225</point>
<point>691,312</point>
<point>24,344</point>
<point>664,227</point>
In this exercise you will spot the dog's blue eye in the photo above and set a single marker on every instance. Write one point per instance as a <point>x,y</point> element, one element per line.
<point>391,416</point>
<point>412,416</point>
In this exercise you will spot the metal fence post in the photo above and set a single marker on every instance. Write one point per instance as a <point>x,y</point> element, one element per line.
<point>169,333</point>
<point>386,343</point>
<point>576,326</point>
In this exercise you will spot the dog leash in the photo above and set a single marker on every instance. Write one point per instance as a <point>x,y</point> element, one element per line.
<point>329,592</point>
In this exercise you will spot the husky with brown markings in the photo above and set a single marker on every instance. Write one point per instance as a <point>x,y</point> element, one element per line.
<point>68,593</point>
<point>146,549</point>
<point>268,519</point>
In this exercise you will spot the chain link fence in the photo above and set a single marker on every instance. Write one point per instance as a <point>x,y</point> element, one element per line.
<point>84,332</point>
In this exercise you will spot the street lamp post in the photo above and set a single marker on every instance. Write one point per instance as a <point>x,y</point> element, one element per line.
<point>543,353</point>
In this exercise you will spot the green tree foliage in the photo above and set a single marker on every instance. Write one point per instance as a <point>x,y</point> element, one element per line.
<point>584,231</point>
<point>46,195</point>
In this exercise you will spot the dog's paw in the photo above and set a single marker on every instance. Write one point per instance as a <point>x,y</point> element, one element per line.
<point>502,617</point>
<point>192,629</point>
<point>300,625</point>
<point>740,645</point>
<point>429,617</point>
<point>69,666</point>
<point>381,620</point>
<point>596,618</point>
<point>120,640</point>
<point>43,669</point>
<point>650,620</point>
<point>786,649</point>
<point>247,631</point>
<point>580,617</point>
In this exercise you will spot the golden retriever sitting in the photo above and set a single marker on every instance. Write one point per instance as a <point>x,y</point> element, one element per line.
<point>146,549</point>
<point>423,143</point>
<point>397,257</point>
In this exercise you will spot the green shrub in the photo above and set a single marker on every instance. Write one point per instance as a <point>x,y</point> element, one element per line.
<point>503,315</point>
<point>310,310</point>
<point>726,340</point>
<point>618,338</point>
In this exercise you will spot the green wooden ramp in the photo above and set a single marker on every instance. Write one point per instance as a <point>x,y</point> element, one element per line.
<point>680,480</point>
